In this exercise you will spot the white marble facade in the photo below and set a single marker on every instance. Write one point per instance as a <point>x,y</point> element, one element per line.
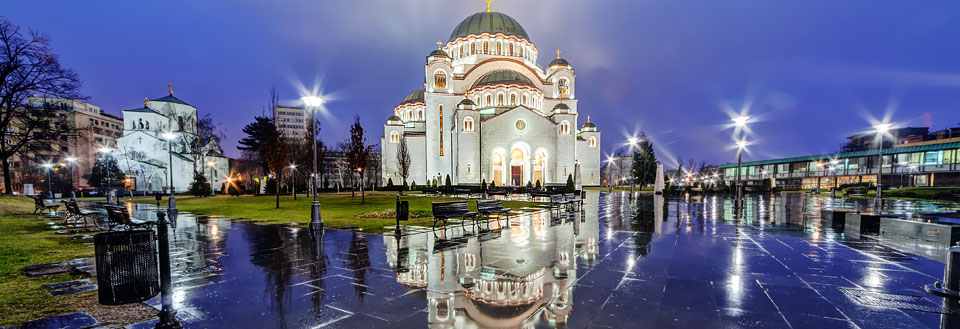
<point>142,153</point>
<point>489,112</point>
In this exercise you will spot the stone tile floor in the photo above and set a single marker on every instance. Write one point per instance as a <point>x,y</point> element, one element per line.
<point>676,263</point>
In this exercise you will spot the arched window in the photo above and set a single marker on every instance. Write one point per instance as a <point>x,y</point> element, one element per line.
<point>468,124</point>
<point>521,52</point>
<point>565,127</point>
<point>513,99</point>
<point>147,125</point>
<point>461,52</point>
<point>563,86</point>
<point>511,49</point>
<point>498,49</point>
<point>485,47</point>
<point>468,170</point>
<point>592,141</point>
<point>489,102</point>
<point>523,100</point>
<point>440,79</point>
<point>420,115</point>
<point>441,130</point>
<point>473,48</point>
<point>500,100</point>
<point>394,137</point>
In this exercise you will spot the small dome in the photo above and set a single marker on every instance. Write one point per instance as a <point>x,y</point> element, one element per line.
<point>503,77</point>
<point>394,118</point>
<point>589,124</point>
<point>466,101</point>
<point>559,61</point>
<point>488,22</point>
<point>415,96</point>
<point>438,52</point>
<point>561,106</point>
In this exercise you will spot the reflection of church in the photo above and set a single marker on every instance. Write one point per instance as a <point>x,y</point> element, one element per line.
<point>489,112</point>
<point>510,279</point>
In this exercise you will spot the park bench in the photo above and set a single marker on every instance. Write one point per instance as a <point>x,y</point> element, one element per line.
<point>855,192</point>
<point>453,209</point>
<point>118,216</point>
<point>497,191</point>
<point>430,190</point>
<point>572,197</point>
<point>461,191</point>
<point>76,215</point>
<point>39,205</point>
<point>558,200</point>
<point>490,207</point>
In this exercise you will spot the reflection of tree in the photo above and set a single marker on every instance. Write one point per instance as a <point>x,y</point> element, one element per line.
<point>359,261</point>
<point>277,261</point>
<point>317,270</point>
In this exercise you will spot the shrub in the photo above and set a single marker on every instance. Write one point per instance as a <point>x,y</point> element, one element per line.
<point>529,184</point>
<point>200,186</point>
<point>483,185</point>
<point>570,186</point>
<point>390,183</point>
<point>447,186</point>
<point>413,185</point>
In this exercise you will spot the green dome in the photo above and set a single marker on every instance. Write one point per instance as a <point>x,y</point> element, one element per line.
<point>415,96</point>
<point>505,77</point>
<point>489,22</point>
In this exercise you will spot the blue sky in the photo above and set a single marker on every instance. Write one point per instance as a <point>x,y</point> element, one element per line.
<point>812,71</point>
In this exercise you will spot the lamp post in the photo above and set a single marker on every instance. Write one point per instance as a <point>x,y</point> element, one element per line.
<point>167,315</point>
<point>881,129</point>
<point>741,122</point>
<point>632,141</point>
<point>313,103</point>
<point>72,160</point>
<point>105,151</point>
<point>172,205</point>
<point>833,168</point>
<point>49,166</point>
<point>212,180</point>
<point>293,180</point>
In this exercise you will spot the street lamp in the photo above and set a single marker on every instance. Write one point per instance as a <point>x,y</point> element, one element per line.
<point>632,141</point>
<point>49,167</point>
<point>741,123</point>
<point>172,205</point>
<point>293,180</point>
<point>833,168</point>
<point>313,103</point>
<point>105,151</point>
<point>212,178</point>
<point>72,160</point>
<point>881,129</point>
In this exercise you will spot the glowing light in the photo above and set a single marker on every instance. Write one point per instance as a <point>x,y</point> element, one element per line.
<point>292,166</point>
<point>47,165</point>
<point>71,159</point>
<point>741,121</point>
<point>882,127</point>
<point>211,163</point>
<point>104,150</point>
<point>169,136</point>
<point>312,101</point>
<point>742,144</point>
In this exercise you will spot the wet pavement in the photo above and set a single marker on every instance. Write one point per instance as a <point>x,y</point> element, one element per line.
<point>653,262</point>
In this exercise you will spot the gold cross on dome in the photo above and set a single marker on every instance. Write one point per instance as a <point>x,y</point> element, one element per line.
<point>558,53</point>
<point>438,44</point>
<point>488,4</point>
<point>146,102</point>
<point>170,86</point>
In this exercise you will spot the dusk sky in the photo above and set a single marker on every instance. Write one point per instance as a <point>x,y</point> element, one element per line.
<point>813,71</point>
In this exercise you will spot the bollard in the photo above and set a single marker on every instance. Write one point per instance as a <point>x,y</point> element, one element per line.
<point>950,287</point>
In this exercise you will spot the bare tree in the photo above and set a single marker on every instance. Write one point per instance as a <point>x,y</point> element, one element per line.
<point>275,147</point>
<point>357,153</point>
<point>403,162</point>
<point>29,68</point>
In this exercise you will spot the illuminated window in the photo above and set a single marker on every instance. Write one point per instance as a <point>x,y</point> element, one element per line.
<point>592,141</point>
<point>489,101</point>
<point>565,128</point>
<point>441,130</point>
<point>420,115</point>
<point>468,170</point>
<point>468,124</point>
<point>485,48</point>
<point>440,79</point>
<point>563,86</point>
<point>511,49</point>
<point>523,100</point>
<point>513,99</point>
<point>498,49</point>
<point>521,52</point>
<point>394,137</point>
<point>473,48</point>
<point>461,52</point>
<point>500,100</point>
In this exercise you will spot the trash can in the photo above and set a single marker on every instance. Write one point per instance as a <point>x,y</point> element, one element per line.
<point>126,266</point>
<point>403,211</point>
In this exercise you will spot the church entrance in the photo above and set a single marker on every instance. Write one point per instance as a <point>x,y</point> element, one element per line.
<point>516,175</point>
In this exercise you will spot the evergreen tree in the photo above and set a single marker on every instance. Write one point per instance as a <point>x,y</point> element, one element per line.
<point>483,185</point>
<point>104,169</point>
<point>447,185</point>
<point>644,168</point>
<point>200,186</point>
<point>389,183</point>
<point>570,186</point>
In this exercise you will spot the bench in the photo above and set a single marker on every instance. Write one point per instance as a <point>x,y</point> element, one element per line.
<point>76,215</point>
<point>497,191</point>
<point>490,207</point>
<point>461,191</point>
<point>430,190</point>
<point>453,209</point>
<point>118,216</point>
<point>558,200</point>
<point>573,199</point>
<point>39,205</point>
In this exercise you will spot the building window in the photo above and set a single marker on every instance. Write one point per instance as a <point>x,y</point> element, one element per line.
<point>523,100</point>
<point>592,141</point>
<point>513,99</point>
<point>489,102</point>
<point>511,49</point>
<point>473,48</point>
<point>440,79</point>
<point>485,48</point>
<point>498,49</point>
<point>565,127</point>
<point>468,124</point>
<point>419,115</point>
<point>500,100</point>
<point>461,51</point>
<point>468,170</point>
<point>563,86</point>
<point>394,137</point>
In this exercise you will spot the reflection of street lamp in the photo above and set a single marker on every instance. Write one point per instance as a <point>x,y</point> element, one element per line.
<point>313,103</point>
<point>49,167</point>
<point>293,179</point>
<point>632,141</point>
<point>833,168</point>
<point>72,160</point>
<point>212,180</point>
<point>881,129</point>
<point>172,206</point>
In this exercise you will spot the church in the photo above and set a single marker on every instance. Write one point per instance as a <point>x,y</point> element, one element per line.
<point>489,113</point>
<point>151,131</point>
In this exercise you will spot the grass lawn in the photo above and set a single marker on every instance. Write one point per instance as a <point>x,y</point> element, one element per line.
<point>337,210</point>
<point>24,241</point>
